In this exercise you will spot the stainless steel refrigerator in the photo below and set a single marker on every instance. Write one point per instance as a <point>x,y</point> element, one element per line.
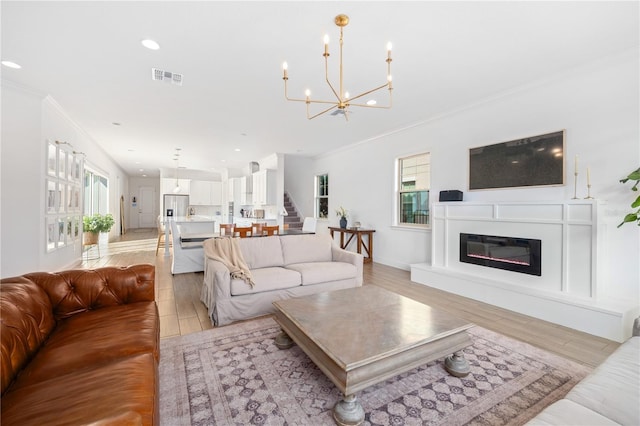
<point>175,205</point>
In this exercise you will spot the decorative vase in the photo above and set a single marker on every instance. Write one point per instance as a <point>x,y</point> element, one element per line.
<point>343,222</point>
<point>89,238</point>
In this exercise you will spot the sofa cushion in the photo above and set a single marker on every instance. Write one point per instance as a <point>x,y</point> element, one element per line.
<point>306,248</point>
<point>111,393</point>
<point>266,279</point>
<point>261,252</point>
<point>94,338</point>
<point>566,412</point>
<point>27,321</point>
<point>612,388</point>
<point>320,272</point>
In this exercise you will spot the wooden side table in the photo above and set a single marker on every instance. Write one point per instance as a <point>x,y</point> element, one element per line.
<point>360,242</point>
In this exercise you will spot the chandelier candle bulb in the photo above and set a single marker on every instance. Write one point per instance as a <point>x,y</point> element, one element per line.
<point>588,176</point>
<point>326,45</point>
<point>285,66</point>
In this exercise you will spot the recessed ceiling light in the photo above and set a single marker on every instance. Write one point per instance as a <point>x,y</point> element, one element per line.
<point>142,170</point>
<point>144,175</point>
<point>237,150</point>
<point>150,44</point>
<point>223,161</point>
<point>371,102</point>
<point>10,64</point>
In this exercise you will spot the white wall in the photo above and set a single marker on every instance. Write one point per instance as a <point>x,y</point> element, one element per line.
<point>596,104</point>
<point>28,120</point>
<point>22,186</point>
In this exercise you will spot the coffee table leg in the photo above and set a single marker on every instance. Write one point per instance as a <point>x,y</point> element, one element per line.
<point>457,365</point>
<point>283,341</point>
<point>348,411</point>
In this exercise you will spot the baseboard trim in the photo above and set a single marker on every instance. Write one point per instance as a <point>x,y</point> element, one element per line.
<point>608,319</point>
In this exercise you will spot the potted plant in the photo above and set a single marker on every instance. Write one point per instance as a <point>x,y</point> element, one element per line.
<point>635,215</point>
<point>342,213</point>
<point>92,226</point>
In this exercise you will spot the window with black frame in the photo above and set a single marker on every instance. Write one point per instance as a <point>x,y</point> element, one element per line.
<point>414,182</point>
<point>322,196</point>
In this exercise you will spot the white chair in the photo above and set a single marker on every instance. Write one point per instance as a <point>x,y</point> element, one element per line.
<point>309,224</point>
<point>161,235</point>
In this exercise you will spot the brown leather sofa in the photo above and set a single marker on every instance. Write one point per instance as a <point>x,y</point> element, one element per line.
<point>80,347</point>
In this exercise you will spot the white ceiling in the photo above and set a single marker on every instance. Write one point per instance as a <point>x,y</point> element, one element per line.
<point>447,55</point>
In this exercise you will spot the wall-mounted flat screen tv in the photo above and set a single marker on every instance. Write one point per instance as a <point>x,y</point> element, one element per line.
<point>531,161</point>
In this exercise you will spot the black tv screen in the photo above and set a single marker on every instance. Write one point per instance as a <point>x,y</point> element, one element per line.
<point>532,161</point>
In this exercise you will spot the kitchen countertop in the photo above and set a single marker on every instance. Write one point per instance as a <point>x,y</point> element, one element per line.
<point>195,218</point>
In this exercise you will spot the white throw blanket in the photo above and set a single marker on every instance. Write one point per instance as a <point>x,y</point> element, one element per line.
<point>227,251</point>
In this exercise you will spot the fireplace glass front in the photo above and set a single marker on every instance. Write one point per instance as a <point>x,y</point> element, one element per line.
<point>511,253</point>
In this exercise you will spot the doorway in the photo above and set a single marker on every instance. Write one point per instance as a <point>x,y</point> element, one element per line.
<point>146,210</point>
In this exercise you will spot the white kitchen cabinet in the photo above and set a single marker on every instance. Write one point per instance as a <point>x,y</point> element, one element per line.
<point>264,187</point>
<point>231,185</point>
<point>234,190</point>
<point>216,194</point>
<point>200,193</point>
<point>167,185</point>
<point>245,192</point>
<point>205,193</point>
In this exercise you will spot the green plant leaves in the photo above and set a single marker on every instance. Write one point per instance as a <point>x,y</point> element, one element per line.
<point>635,216</point>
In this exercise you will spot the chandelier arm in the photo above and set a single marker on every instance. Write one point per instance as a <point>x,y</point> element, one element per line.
<point>324,102</point>
<point>368,92</point>
<point>371,106</point>
<point>320,113</point>
<point>326,77</point>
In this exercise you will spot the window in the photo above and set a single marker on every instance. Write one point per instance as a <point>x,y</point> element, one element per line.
<point>96,193</point>
<point>414,181</point>
<point>322,196</point>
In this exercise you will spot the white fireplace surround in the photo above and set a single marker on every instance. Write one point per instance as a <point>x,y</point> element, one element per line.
<point>569,291</point>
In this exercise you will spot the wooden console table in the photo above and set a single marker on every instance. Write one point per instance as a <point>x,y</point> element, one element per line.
<point>361,244</point>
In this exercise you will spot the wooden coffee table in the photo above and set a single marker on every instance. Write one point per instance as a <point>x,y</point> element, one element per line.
<point>361,336</point>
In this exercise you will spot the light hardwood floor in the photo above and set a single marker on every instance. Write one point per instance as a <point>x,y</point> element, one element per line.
<point>181,311</point>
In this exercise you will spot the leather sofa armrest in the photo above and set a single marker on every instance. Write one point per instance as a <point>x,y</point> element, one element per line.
<point>77,291</point>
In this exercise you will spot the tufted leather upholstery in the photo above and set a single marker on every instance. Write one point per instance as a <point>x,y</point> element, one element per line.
<point>80,347</point>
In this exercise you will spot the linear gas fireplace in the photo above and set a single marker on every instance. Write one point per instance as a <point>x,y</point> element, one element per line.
<point>510,253</point>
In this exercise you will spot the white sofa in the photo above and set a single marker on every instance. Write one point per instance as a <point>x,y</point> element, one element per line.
<point>282,267</point>
<point>610,395</point>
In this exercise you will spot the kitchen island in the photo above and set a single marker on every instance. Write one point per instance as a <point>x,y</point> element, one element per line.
<point>198,226</point>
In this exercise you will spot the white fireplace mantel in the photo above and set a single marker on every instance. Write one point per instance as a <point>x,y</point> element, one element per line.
<point>569,290</point>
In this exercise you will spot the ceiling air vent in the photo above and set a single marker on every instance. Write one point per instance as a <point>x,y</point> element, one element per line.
<point>169,77</point>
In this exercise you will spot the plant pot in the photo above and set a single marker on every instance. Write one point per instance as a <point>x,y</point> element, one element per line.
<point>343,222</point>
<point>89,238</point>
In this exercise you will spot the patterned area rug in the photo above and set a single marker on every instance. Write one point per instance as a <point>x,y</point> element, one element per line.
<point>235,375</point>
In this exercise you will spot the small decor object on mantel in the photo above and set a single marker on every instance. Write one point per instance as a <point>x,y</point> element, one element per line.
<point>342,213</point>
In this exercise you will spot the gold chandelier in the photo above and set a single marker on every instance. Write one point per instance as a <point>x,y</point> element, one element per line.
<point>343,101</point>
